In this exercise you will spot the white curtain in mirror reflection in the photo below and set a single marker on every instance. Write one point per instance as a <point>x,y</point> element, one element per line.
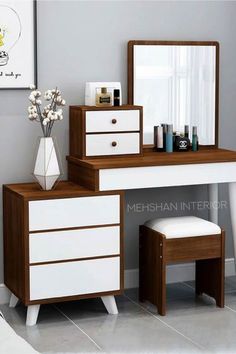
<point>176,85</point>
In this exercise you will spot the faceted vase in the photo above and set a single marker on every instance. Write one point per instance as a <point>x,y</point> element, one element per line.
<point>47,169</point>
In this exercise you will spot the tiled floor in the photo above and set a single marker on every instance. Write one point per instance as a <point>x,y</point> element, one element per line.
<point>192,325</point>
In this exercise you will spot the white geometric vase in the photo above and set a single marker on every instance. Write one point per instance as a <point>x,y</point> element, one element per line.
<point>47,168</point>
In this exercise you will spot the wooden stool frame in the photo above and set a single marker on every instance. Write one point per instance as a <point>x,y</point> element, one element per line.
<point>156,251</point>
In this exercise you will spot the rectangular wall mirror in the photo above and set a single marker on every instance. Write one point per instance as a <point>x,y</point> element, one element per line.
<point>176,83</point>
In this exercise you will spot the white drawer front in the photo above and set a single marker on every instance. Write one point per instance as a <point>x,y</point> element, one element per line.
<point>74,212</point>
<point>103,121</point>
<point>74,278</point>
<point>101,144</point>
<point>71,244</point>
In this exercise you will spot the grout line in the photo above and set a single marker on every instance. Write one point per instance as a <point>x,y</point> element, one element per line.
<point>229,308</point>
<point>166,324</point>
<point>69,319</point>
<point>230,291</point>
<point>226,292</point>
<point>188,286</point>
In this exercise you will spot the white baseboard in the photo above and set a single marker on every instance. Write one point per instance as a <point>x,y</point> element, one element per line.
<point>175,273</point>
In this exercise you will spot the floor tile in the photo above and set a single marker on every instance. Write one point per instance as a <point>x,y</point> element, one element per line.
<point>230,284</point>
<point>213,328</point>
<point>199,319</point>
<point>191,324</point>
<point>53,332</point>
<point>133,330</point>
<point>173,291</point>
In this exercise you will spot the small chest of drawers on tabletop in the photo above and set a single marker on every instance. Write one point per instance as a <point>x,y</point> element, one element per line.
<point>105,131</point>
<point>62,245</point>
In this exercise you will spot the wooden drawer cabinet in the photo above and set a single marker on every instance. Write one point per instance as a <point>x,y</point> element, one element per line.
<point>110,131</point>
<point>74,244</point>
<point>112,144</point>
<point>112,121</point>
<point>62,244</point>
<point>74,212</point>
<point>74,278</point>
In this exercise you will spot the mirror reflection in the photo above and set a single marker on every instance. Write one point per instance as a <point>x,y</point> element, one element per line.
<point>176,84</point>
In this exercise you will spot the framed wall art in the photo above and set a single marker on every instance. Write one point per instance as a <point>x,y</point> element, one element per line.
<point>18,57</point>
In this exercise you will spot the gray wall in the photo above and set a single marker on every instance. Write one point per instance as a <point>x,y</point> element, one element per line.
<point>86,41</point>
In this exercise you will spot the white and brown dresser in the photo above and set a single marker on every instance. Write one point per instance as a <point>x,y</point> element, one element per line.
<point>102,132</point>
<point>61,245</point>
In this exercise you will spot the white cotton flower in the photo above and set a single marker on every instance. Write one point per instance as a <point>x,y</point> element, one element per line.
<point>59,99</point>
<point>39,102</point>
<point>34,93</point>
<point>46,109</point>
<point>33,101</point>
<point>38,93</point>
<point>63,102</point>
<point>31,117</point>
<point>54,116</point>
<point>32,86</point>
<point>50,114</point>
<point>48,95</point>
<point>32,98</point>
<point>46,121</point>
<point>32,109</point>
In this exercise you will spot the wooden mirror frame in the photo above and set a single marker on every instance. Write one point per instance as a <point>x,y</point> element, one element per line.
<point>133,43</point>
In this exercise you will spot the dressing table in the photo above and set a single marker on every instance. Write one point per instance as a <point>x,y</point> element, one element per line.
<point>168,82</point>
<point>176,82</point>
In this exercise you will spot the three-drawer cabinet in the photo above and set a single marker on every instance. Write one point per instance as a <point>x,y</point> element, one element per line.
<point>62,244</point>
<point>109,131</point>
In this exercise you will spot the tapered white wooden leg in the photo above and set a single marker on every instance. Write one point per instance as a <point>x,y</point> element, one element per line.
<point>232,201</point>
<point>214,202</point>
<point>13,301</point>
<point>32,315</point>
<point>110,304</point>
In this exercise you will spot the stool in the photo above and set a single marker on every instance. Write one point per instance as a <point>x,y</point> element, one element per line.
<point>181,239</point>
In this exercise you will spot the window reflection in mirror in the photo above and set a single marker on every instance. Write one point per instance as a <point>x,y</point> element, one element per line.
<point>176,84</point>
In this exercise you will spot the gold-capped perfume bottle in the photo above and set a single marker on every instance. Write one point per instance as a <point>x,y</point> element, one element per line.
<point>104,98</point>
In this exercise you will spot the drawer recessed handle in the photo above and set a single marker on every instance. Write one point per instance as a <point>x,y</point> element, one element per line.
<point>114,121</point>
<point>114,143</point>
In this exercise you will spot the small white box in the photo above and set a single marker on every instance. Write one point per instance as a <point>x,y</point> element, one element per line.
<point>91,90</point>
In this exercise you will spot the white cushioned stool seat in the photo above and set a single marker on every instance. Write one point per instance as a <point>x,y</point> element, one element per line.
<point>183,226</point>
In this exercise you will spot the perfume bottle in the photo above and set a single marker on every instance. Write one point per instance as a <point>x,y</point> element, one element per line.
<point>104,98</point>
<point>186,131</point>
<point>164,127</point>
<point>194,140</point>
<point>169,138</point>
<point>181,143</point>
<point>158,138</point>
<point>116,97</point>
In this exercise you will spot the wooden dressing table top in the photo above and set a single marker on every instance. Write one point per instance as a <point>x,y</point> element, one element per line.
<point>213,155</point>
<point>64,189</point>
